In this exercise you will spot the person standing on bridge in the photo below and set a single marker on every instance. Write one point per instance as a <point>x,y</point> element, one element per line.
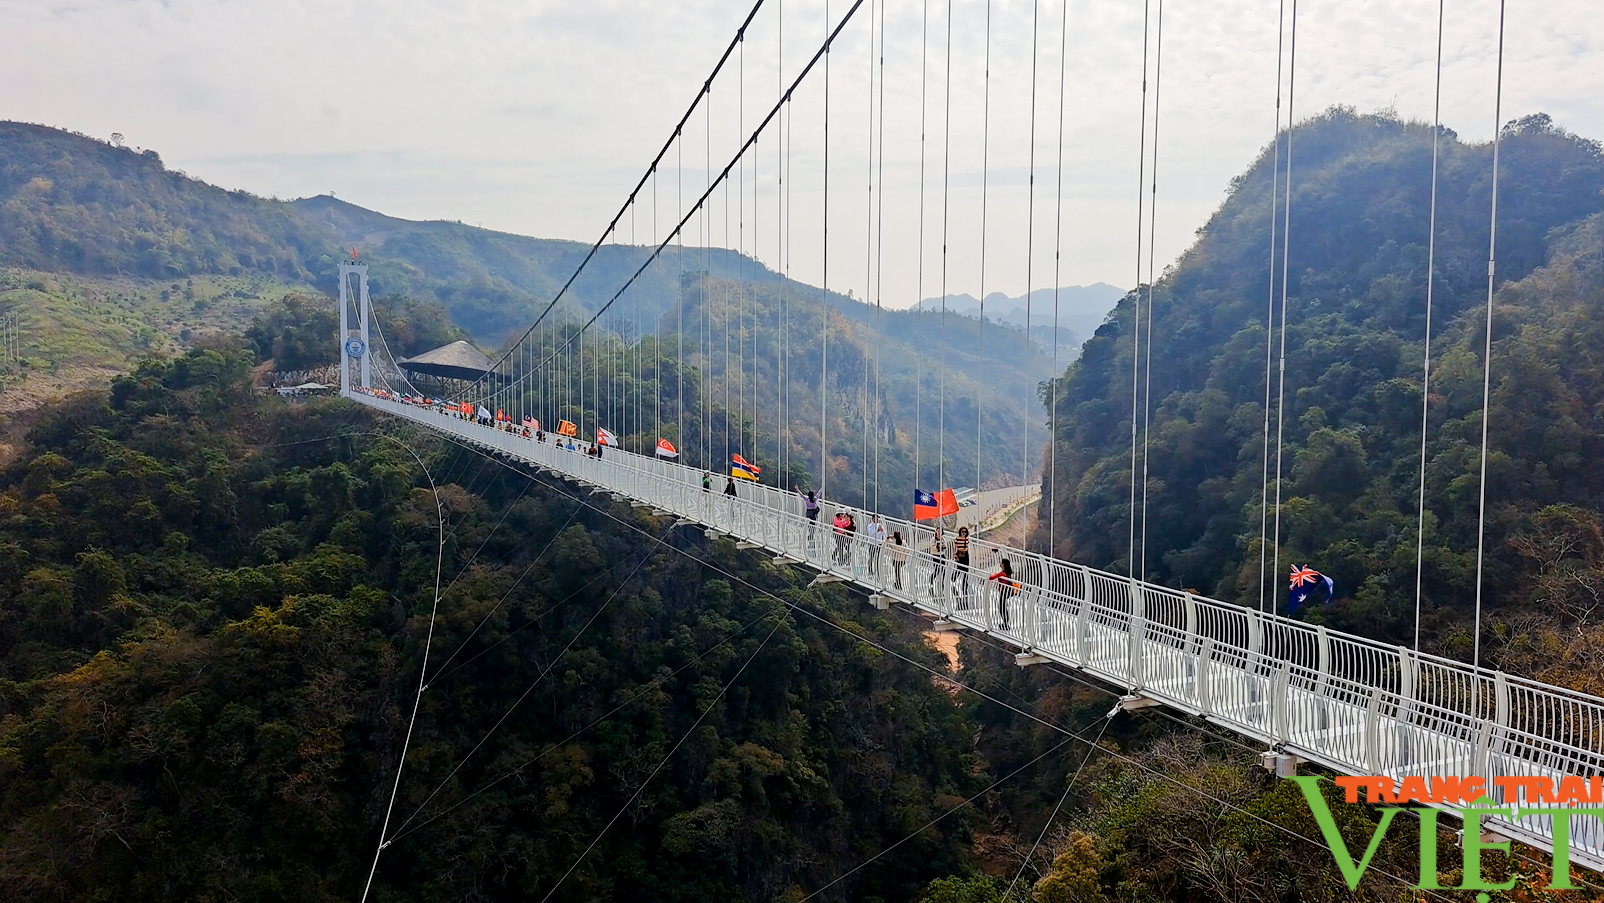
<point>810,507</point>
<point>876,533</point>
<point>938,563</point>
<point>899,557</point>
<point>838,555</point>
<point>960,560</point>
<point>1007,588</point>
<point>849,554</point>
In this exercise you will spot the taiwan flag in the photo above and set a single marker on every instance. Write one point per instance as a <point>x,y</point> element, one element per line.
<point>929,506</point>
<point>1303,583</point>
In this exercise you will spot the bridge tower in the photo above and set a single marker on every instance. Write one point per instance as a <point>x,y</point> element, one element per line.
<point>354,343</point>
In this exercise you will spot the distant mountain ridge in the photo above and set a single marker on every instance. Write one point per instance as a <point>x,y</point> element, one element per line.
<point>1080,310</point>
<point>73,204</point>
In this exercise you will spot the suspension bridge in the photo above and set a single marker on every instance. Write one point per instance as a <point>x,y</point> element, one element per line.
<point>1307,694</point>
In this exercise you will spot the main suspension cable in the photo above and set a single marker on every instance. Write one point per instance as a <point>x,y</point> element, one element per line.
<point>704,91</point>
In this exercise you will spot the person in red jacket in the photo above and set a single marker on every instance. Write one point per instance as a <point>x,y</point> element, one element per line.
<point>1007,588</point>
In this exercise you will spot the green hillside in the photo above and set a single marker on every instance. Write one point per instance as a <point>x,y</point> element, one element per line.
<point>79,330</point>
<point>1354,346</point>
<point>184,258</point>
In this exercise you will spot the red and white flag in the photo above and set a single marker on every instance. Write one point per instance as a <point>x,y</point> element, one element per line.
<point>605,436</point>
<point>666,449</point>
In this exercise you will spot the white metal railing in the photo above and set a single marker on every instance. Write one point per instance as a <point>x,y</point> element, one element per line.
<point>1349,703</point>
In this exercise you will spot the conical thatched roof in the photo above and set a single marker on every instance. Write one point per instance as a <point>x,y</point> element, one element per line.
<point>458,360</point>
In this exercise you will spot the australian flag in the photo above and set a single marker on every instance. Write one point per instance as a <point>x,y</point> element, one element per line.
<point>1304,582</point>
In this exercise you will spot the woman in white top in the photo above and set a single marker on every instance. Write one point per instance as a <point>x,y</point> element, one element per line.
<point>877,536</point>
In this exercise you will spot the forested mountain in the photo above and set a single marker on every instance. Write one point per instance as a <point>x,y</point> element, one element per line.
<point>113,217</point>
<point>1356,290</point>
<point>211,624</point>
<point>213,615</point>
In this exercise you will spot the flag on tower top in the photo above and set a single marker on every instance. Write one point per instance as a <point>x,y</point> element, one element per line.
<point>666,449</point>
<point>353,253</point>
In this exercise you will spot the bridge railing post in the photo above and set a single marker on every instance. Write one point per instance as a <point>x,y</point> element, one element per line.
<point>1134,638</point>
<point>1408,680</point>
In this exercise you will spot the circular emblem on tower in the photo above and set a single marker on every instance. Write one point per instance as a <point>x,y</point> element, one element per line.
<point>355,347</point>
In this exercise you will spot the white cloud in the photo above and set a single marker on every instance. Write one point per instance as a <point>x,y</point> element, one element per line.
<point>537,116</point>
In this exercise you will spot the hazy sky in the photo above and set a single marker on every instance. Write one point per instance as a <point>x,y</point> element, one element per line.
<point>537,116</point>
